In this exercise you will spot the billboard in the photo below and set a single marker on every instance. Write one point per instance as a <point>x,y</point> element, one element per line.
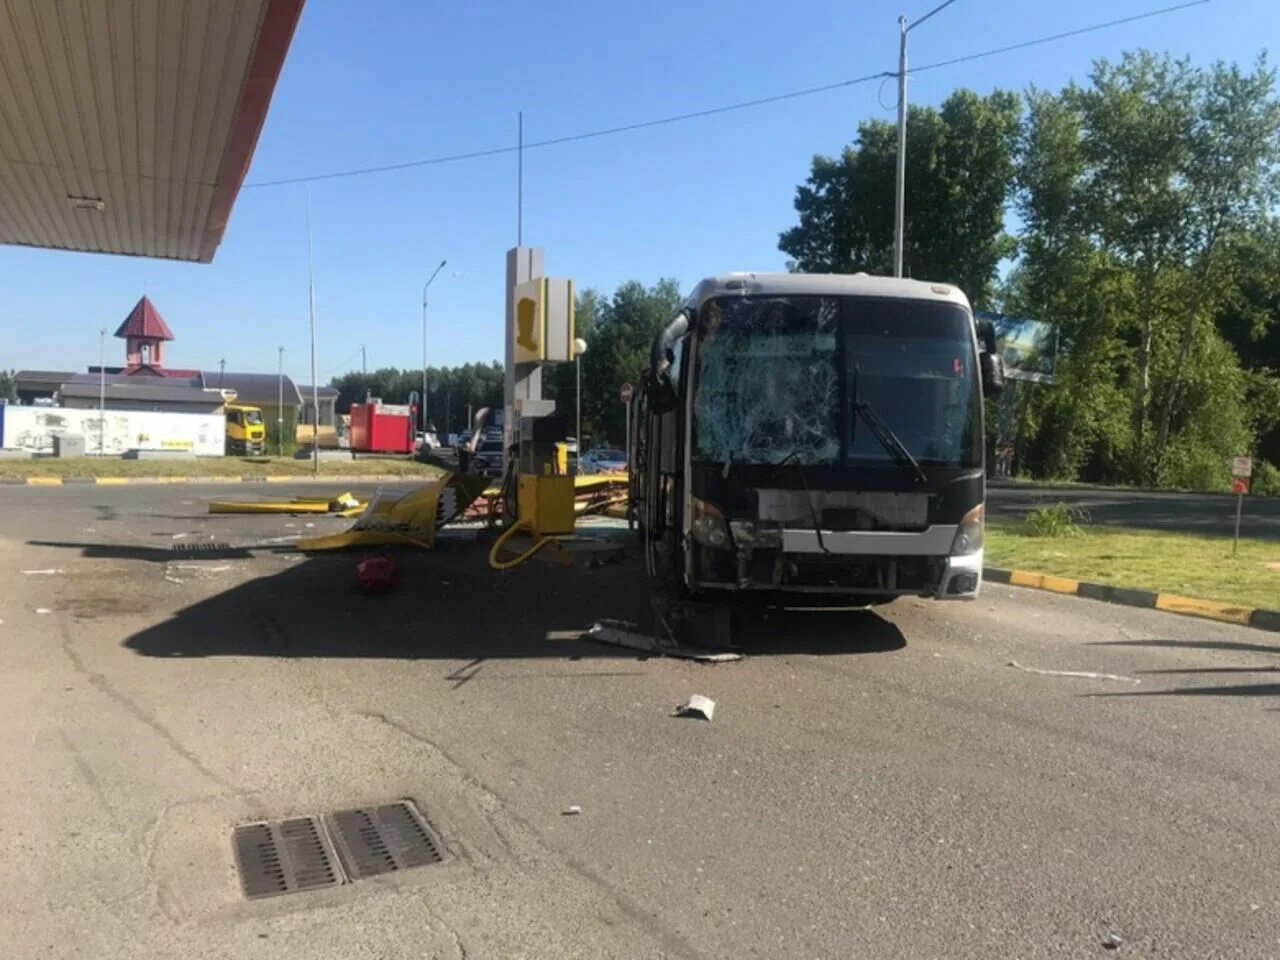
<point>33,429</point>
<point>1029,348</point>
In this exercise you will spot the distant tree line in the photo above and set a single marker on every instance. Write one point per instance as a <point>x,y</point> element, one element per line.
<point>618,331</point>
<point>1147,232</point>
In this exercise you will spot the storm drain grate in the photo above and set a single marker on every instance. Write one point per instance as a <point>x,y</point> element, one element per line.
<point>374,840</point>
<point>283,856</point>
<point>200,547</point>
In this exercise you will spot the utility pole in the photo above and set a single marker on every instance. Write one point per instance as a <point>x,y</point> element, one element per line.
<point>425,287</point>
<point>102,391</point>
<point>315,381</point>
<point>364,367</point>
<point>280,406</point>
<point>222,371</point>
<point>900,178</point>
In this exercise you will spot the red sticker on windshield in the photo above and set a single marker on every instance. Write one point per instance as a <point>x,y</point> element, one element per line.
<point>957,366</point>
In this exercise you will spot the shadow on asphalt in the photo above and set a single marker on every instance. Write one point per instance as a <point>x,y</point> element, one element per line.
<point>198,550</point>
<point>448,604</point>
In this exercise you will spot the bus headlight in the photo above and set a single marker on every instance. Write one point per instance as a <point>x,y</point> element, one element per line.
<point>708,527</point>
<point>969,535</point>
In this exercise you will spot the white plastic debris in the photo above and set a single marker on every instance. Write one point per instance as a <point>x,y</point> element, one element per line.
<point>1112,942</point>
<point>43,610</point>
<point>571,811</point>
<point>178,536</point>
<point>1084,674</point>
<point>697,706</point>
<point>620,634</point>
<point>37,573</point>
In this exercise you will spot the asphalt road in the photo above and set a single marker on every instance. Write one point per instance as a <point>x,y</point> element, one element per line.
<point>929,781</point>
<point>1205,513</point>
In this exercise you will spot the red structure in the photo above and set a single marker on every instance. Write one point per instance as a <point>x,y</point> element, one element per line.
<point>145,333</point>
<point>382,428</point>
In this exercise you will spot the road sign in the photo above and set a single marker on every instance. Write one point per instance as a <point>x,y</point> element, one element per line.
<point>625,393</point>
<point>1240,486</point>
<point>1242,467</point>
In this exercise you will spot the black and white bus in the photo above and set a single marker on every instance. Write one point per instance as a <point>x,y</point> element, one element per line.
<point>817,437</point>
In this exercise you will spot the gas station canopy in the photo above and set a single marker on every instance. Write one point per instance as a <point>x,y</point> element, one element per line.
<point>127,126</point>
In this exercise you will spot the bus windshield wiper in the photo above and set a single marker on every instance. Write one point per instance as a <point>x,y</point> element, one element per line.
<point>889,440</point>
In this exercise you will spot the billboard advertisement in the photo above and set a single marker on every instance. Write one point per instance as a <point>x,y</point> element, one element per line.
<point>1029,348</point>
<point>33,429</point>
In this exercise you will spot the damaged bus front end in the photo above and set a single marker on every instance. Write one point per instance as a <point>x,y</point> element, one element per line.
<point>815,437</point>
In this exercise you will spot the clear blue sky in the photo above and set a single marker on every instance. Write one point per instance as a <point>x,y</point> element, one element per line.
<point>393,80</point>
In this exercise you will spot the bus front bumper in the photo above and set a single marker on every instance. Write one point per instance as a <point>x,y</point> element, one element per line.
<point>841,563</point>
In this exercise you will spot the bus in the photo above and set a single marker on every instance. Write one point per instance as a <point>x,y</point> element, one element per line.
<point>815,439</point>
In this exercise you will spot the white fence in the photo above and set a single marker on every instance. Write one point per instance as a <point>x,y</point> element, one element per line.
<point>33,429</point>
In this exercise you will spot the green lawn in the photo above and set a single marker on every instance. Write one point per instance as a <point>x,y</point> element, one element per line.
<point>1193,566</point>
<point>208,467</point>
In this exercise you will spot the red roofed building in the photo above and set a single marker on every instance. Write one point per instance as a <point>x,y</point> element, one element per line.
<point>144,333</point>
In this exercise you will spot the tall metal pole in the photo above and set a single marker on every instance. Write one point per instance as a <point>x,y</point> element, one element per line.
<point>425,287</point>
<point>520,179</point>
<point>900,181</point>
<point>280,406</point>
<point>364,366</point>
<point>577,395</point>
<point>102,391</point>
<point>315,381</point>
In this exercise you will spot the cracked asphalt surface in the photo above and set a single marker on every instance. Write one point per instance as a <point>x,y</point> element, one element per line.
<point>874,784</point>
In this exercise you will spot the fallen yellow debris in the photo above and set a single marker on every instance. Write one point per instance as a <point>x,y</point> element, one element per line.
<point>343,505</point>
<point>410,518</point>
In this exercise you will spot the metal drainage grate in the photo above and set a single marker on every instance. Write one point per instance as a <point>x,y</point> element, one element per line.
<point>200,547</point>
<point>373,840</point>
<point>283,856</point>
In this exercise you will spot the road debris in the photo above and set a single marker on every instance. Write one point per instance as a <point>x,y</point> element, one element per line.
<point>179,536</point>
<point>696,706</point>
<point>1082,674</point>
<point>376,573</point>
<point>45,573</point>
<point>621,633</point>
<point>1112,942</point>
<point>43,610</point>
<point>571,811</point>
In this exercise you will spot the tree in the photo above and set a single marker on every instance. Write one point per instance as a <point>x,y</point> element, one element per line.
<point>1144,196</point>
<point>960,172</point>
<point>618,331</point>
<point>8,386</point>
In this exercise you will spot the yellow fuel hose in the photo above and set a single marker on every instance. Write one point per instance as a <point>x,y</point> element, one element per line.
<point>511,531</point>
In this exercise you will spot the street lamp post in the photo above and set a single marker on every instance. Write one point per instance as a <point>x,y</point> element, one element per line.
<point>900,175</point>
<point>280,406</point>
<point>425,287</point>
<point>579,348</point>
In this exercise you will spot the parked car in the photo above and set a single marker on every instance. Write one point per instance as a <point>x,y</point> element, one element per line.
<point>603,460</point>
<point>488,458</point>
<point>426,442</point>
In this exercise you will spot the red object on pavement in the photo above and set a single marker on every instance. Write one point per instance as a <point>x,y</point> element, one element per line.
<point>1241,485</point>
<point>377,573</point>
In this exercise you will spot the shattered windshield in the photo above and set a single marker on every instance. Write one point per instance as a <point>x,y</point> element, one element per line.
<point>778,377</point>
<point>768,381</point>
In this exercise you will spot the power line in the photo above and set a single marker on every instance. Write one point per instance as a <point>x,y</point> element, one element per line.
<point>1060,36</point>
<point>938,9</point>
<point>726,108</point>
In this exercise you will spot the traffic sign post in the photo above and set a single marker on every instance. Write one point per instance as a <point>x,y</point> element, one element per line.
<point>1241,471</point>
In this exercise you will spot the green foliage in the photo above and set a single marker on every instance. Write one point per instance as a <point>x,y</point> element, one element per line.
<point>1266,479</point>
<point>8,386</point>
<point>450,390</point>
<point>960,169</point>
<point>619,331</point>
<point>1146,199</point>
<point>1058,520</point>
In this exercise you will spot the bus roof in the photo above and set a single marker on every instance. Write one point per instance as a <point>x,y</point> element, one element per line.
<point>823,284</point>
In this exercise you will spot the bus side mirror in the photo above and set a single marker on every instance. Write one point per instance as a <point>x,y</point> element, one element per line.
<point>992,373</point>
